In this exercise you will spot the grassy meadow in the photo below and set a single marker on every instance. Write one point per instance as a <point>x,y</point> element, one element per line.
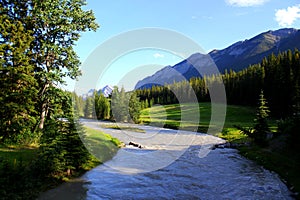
<point>102,145</point>
<point>169,116</point>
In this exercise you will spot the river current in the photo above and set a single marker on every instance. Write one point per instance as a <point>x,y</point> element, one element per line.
<point>172,165</point>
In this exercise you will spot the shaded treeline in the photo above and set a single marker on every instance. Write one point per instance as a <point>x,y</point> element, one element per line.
<point>277,75</point>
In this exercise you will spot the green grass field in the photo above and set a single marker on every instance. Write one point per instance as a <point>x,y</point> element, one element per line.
<point>170,116</point>
<point>100,144</point>
<point>125,128</point>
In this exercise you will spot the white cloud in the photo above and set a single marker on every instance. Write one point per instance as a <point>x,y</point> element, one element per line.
<point>246,3</point>
<point>286,17</point>
<point>158,55</point>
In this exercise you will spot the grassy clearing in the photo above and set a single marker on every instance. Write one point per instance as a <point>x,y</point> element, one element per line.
<point>125,128</point>
<point>169,116</point>
<point>100,144</point>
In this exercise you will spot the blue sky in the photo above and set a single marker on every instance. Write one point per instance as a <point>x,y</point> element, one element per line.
<point>213,24</point>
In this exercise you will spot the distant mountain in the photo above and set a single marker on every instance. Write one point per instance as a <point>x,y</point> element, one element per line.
<point>237,57</point>
<point>89,93</point>
<point>106,91</point>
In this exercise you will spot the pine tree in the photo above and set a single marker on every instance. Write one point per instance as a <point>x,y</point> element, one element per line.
<point>89,107</point>
<point>18,92</point>
<point>261,128</point>
<point>120,105</point>
<point>134,108</point>
<point>62,151</point>
<point>102,106</point>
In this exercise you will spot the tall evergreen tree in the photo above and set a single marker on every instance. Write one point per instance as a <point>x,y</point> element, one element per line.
<point>102,106</point>
<point>134,108</point>
<point>89,107</point>
<point>119,105</point>
<point>262,115</point>
<point>18,92</point>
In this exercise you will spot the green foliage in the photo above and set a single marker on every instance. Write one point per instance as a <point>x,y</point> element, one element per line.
<point>9,187</point>
<point>278,76</point>
<point>62,150</point>
<point>18,86</point>
<point>56,25</point>
<point>89,107</point>
<point>261,128</point>
<point>125,106</point>
<point>78,104</point>
<point>102,106</point>
<point>134,108</point>
<point>291,128</point>
<point>36,54</point>
<point>18,179</point>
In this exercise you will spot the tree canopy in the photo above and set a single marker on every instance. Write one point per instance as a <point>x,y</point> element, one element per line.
<point>36,55</point>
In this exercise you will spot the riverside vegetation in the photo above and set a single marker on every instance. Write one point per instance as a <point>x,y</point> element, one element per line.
<point>39,131</point>
<point>263,110</point>
<point>262,118</point>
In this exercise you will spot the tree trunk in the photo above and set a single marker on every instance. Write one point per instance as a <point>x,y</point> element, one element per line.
<point>44,108</point>
<point>43,116</point>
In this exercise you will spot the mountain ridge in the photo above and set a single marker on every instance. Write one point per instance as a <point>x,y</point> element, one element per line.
<point>237,56</point>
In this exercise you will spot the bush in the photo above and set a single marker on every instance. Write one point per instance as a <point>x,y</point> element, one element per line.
<point>291,128</point>
<point>62,151</point>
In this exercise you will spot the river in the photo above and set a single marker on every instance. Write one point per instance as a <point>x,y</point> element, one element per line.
<point>172,165</point>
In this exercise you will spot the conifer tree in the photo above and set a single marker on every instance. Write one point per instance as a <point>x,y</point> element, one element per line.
<point>18,92</point>
<point>102,106</point>
<point>262,115</point>
<point>261,128</point>
<point>135,108</point>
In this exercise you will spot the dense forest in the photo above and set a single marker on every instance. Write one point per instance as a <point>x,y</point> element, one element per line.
<point>277,75</point>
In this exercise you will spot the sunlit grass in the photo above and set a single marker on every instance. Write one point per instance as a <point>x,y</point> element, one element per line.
<point>100,144</point>
<point>126,128</point>
<point>170,116</point>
